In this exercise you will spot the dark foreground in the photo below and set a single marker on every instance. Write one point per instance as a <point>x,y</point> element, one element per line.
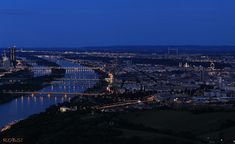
<point>137,127</point>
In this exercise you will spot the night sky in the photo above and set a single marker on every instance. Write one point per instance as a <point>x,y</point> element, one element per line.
<point>77,23</point>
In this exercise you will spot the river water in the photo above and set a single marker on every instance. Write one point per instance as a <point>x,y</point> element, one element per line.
<point>25,106</point>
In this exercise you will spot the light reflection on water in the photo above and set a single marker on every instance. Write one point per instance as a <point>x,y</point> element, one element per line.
<point>23,107</point>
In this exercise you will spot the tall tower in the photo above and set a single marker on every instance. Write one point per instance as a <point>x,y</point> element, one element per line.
<point>12,56</point>
<point>5,61</point>
<point>202,75</point>
<point>220,82</point>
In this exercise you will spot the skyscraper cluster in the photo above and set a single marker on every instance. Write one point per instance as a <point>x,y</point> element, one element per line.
<point>8,59</point>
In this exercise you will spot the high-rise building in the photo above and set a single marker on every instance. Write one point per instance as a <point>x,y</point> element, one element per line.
<point>12,56</point>
<point>5,61</point>
<point>220,82</point>
<point>202,73</point>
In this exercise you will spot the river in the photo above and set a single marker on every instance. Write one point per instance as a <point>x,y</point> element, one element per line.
<point>25,106</point>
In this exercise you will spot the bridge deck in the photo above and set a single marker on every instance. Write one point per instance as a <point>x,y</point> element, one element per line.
<point>56,93</point>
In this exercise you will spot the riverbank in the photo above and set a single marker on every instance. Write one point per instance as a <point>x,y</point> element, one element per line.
<point>100,85</point>
<point>133,126</point>
<point>29,83</point>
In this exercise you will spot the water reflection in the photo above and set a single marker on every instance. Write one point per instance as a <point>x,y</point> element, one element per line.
<point>25,106</point>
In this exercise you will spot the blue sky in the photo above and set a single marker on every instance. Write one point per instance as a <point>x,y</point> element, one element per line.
<point>77,23</point>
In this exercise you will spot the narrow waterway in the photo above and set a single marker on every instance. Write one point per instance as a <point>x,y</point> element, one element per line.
<point>75,81</point>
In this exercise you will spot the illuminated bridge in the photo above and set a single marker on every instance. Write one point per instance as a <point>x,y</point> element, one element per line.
<point>56,93</point>
<point>67,68</point>
<point>46,70</point>
<point>56,79</point>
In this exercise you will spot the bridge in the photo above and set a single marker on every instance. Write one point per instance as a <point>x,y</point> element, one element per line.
<point>56,93</point>
<point>67,68</point>
<point>56,79</point>
<point>48,70</point>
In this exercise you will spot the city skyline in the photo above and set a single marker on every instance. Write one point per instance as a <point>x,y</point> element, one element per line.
<point>117,72</point>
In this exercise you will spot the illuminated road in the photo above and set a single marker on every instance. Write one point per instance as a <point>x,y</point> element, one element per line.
<point>123,104</point>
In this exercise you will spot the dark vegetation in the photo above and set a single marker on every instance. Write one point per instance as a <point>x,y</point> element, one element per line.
<point>2,70</point>
<point>133,127</point>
